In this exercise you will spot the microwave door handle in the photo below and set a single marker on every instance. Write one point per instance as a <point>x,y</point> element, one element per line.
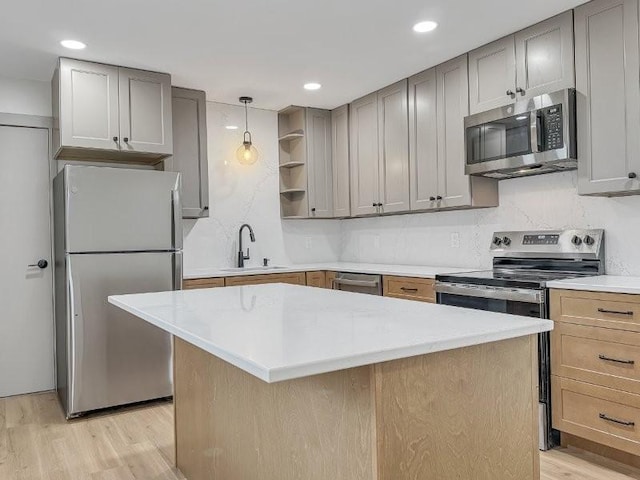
<point>533,125</point>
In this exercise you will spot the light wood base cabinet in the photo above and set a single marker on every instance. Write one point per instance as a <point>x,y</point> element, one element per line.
<point>202,283</point>
<point>292,278</point>
<point>595,353</point>
<point>317,279</point>
<point>469,413</point>
<point>421,289</point>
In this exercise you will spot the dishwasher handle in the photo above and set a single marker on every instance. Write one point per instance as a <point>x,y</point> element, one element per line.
<point>355,283</point>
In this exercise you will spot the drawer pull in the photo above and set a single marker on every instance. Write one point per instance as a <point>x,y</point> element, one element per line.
<point>615,312</point>
<point>407,289</point>
<point>609,359</point>
<point>615,420</point>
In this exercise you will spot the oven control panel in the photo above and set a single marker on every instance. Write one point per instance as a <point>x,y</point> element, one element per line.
<point>541,239</point>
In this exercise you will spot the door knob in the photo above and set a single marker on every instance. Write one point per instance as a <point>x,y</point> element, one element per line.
<point>41,264</point>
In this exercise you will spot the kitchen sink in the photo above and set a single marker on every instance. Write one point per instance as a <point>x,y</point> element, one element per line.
<point>252,269</point>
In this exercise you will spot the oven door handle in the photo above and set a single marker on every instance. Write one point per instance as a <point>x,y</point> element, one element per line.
<point>493,293</point>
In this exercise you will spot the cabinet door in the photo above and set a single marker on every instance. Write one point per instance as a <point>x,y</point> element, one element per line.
<point>608,97</point>
<point>544,56</point>
<point>145,112</point>
<point>190,150</point>
<point>320,179</point>
<point>492,75</point>
<point>423,140</point>
<point>363,148</point>
<point>88,105</point>
<point>393,138</point>
<point>453,106</point>
<point>340,160</point>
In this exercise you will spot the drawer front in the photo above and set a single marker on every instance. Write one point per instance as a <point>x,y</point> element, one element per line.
<point>317,279</point>
<point>202,283</point>
<point>608,310</point>
<point>600,414</point>
<point>606,357</point>
<point>421,289</point>
<point>293,278</point>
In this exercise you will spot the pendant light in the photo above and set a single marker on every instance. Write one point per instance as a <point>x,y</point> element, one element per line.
<point>247,154</point>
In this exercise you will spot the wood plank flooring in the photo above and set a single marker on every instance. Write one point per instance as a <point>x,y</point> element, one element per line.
<point>36,443</point>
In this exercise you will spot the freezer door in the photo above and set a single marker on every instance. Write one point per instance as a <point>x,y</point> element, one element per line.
<point>116,358</point>
<point>121,210</point>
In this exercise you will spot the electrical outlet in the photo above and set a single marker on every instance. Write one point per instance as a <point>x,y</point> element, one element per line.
<point>455,240</point>
<point>307,243</point>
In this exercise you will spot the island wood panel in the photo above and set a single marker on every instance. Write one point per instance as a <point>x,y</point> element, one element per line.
<point>292,278</point>
<point>202,283</point>
<point>232,425</point>
<point>416,418</point>
<point>434,410</point>
<point>421,289</point>
<point>317,279</point>
<point>608,310</point>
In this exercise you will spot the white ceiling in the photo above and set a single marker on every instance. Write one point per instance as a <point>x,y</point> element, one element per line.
<point>264,48</point>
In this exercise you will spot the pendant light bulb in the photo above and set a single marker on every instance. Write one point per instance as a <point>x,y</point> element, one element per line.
<point>247,153</point>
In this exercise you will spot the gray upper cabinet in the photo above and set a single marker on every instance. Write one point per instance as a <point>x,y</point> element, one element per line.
<point>340,161</point>
<point>608,97</point>
<point>86,97</point>
<point>532,62</point>
<point>105,112</point>
<point>320,178</point>
<point>544,56</point>
<point>492,75</point>
<point>393,138</point>
<point>363,149</point>
<point>423,140</point>
<point>190,150</point>
<point>145,111</point>
<point>453,106</point>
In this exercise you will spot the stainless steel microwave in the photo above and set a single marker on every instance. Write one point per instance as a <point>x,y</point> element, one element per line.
<point>528,137</point>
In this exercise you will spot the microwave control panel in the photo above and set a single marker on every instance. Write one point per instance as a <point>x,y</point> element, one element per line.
<point>551,123</point>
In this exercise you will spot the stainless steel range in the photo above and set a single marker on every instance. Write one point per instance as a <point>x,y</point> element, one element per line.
<point>523,263</point>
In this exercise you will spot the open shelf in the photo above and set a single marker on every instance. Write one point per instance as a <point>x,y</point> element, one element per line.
<point>291,164</point>
<point>296,134</point>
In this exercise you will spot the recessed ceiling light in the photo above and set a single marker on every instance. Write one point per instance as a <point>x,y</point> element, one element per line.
<point>423,27</point>
<point>231,127</point>
<point>312,86</point>
<point>73,44</point>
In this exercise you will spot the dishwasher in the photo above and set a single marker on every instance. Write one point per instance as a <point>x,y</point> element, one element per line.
<point>358,282</point>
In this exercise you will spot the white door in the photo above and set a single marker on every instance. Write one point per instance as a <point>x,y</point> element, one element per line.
<point>26,323</point>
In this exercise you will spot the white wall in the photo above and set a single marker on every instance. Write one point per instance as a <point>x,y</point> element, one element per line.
<point>27,97</point>
<point>240,194</point>
<point>541,202</point>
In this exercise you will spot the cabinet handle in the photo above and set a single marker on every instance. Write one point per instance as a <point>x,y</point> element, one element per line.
<point>439,197</point>
<point>510,93</point>
<point>432,198</point>
<point>115,139</point>
<point>615,312</point>
<point>609,359</point>
<point>633,175</point>
<point>604,416</point>
<point>313,210</point>
<point>520,90</point>
<point>126,139</point>
<point>374,204</point>
<point>407,289</point>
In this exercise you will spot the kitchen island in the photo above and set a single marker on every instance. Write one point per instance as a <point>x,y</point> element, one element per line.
<point>284,382</point>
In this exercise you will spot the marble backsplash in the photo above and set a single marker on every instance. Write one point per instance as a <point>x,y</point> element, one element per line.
<point>462,238</point>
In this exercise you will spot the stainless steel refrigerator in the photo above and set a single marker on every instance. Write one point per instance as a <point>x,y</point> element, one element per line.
<point>117,231</point>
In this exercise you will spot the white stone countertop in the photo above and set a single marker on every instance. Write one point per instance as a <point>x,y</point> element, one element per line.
<point>601,283</point>
<point>417,271</point>
<point>280,332</point>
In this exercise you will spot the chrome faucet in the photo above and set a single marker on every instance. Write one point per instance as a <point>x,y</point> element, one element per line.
<point>241,256</point>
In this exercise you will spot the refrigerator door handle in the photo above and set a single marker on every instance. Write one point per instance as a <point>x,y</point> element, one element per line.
<point>177,271</point>
<point>75,314</point>
<point>176,222</point>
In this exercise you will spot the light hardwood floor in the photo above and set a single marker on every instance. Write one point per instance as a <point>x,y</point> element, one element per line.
<point>36,443</point>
